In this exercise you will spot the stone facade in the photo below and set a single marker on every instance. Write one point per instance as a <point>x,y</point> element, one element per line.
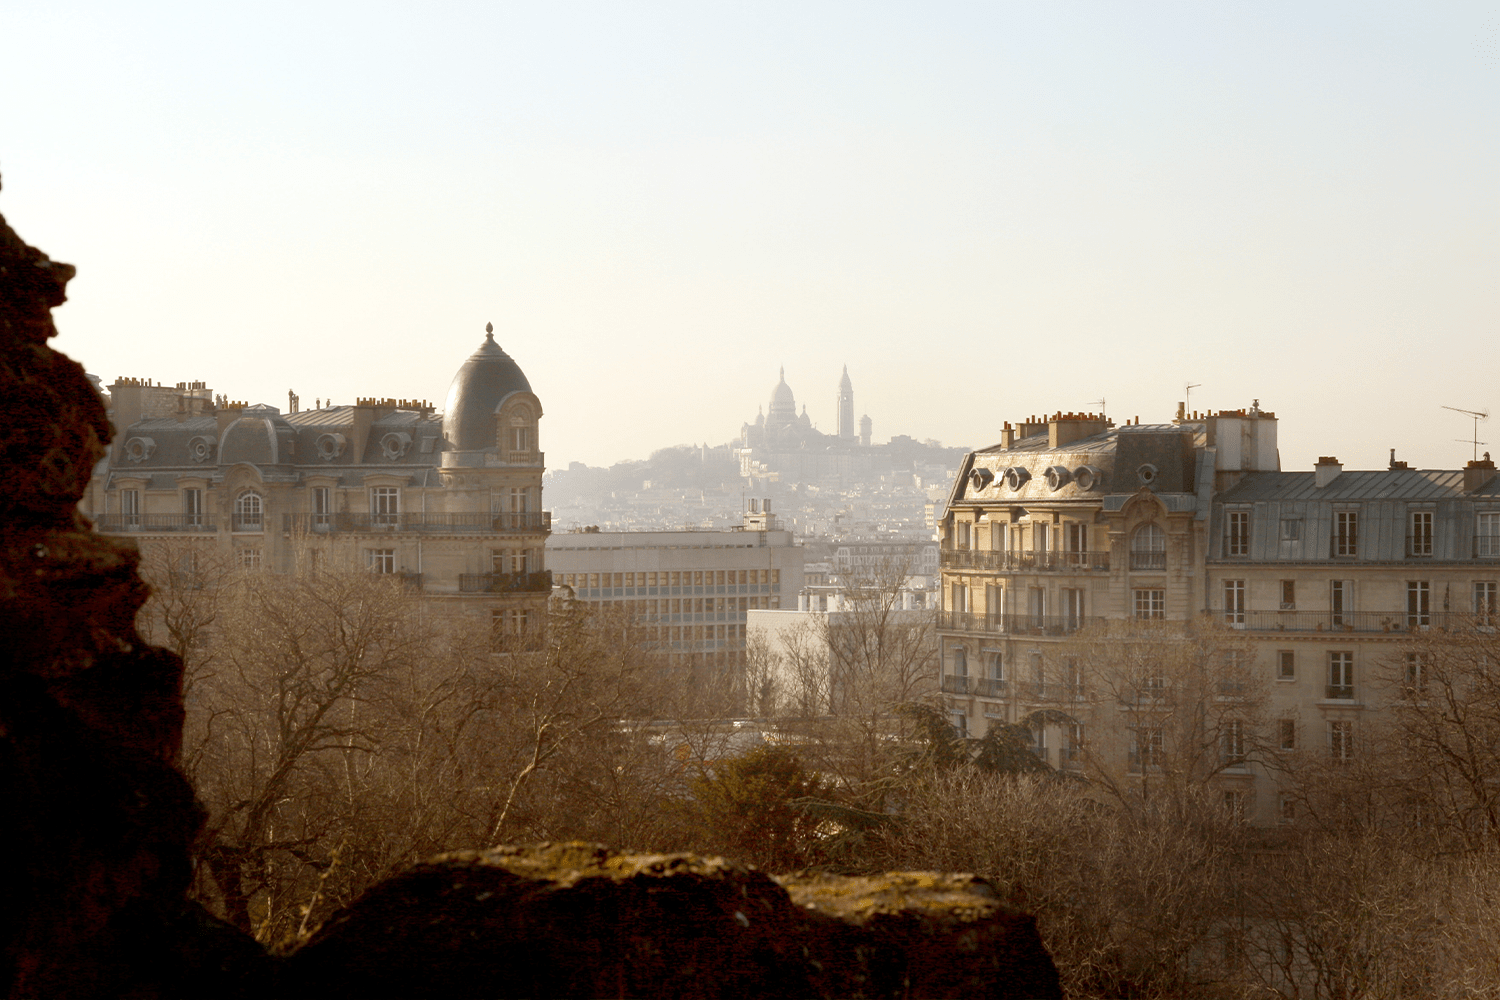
<point>1072,523</point>
<point>450,501</point>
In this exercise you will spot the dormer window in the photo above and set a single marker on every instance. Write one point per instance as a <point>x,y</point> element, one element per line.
<point>247,511</point>
<point>520,439</point>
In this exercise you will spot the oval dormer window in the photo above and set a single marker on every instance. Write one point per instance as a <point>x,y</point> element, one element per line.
<point>980,478</point>
<point>1058,476</point>
<point>330,446</point>
<point>138,449</point>
<point>201,449</point>
<point>1146,473</point>
<point>394,445</point>
<point>1087,477</point>
<point>1016,477</point>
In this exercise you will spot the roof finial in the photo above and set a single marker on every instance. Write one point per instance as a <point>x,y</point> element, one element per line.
<point>783,373</point>
<point>489,331</point>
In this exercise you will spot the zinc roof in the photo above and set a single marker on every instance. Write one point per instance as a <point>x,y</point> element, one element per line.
<point>1349,486</point>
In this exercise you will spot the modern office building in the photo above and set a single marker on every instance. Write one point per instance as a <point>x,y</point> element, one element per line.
<point>690,589</point>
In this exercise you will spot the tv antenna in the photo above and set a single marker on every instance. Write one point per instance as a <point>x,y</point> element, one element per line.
<point>1187,399</point>
<point>1478,415</point>
<point>1100,403</point>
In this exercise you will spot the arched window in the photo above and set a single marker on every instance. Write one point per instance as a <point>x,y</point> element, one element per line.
<point>1148,548</point>
<point>247,511</point>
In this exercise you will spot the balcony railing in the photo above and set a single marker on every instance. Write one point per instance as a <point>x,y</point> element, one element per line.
<point>1148,560</point>
<point>155,522</point>
<point>1340,692</point>
<point>959,621</point>
<point>505,583</point>
<point>419,521</point>
<point>1003,560</point>
<point>1352,621</point>
<point>990,687</point>
<point>955,684</point>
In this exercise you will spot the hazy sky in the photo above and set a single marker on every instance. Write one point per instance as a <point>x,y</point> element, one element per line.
<point>986,210</point>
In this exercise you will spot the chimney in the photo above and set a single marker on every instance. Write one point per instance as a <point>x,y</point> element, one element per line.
<point>1478,473</point>
<point>1007,436</point>
<point>1326,471</point>
<point>1065,428</point>
<point>1402,465</point>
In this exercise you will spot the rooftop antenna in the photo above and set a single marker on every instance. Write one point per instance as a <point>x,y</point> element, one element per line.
<point>1100,403</point>
<point>1187,398</point>
<point>1478,415</point>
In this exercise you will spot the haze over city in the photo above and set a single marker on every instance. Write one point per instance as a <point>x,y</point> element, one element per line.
<point>985,210</point>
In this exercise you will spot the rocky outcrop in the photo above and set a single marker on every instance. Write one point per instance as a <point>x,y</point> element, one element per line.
<point>578,920</point>
<point>99,822</point>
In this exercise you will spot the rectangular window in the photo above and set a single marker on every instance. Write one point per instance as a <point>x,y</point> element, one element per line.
<point>1287,731</point>
<point>1071,754</point>
<point>1341,740</point>
<point>1345,533</point>
<point>520,439</point>
<point>1288,595</point>
<point>1419,535</point>
<point>130,508</point>
<point>192,508</point>
<point>961,541</point>
<point>1040,537</point>
<point>1232,742</point>
<point>1072,608</point>
<point>1418,604</point>
<point>1036,605</point>
<point>1038,674</point>
<point>1340,675</point>
<point>960,601</point>
<point>247,558</point>
<point>322,507</point>
<point>1487,534</point>
<point>385,504</point>
<point>1414,679</point>
<point>1291,529</point>
<point>381,560</point>
<point>1234,602</point>
<point>1286,665</point>
<point>1288,809</point>
<point>997,536</point>
<point>1237,533</point>
<point>1484,602</point>
<point>1077,540</point>
<point>1341,602</point>
<point>1146,746</point>
<point>1150,604</point>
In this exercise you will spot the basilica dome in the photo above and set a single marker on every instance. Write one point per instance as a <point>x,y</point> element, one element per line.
<point>783,406</point>
<point>484,380</point>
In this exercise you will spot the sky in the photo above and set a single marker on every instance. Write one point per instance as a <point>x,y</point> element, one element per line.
<point>987,210</point>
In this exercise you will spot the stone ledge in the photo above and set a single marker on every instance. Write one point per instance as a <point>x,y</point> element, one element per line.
<point>580,920</point>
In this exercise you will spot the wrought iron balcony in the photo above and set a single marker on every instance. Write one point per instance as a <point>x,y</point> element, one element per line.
<point>1352,621</point>
<point>955,684</point>
<point>505,583</point>
<point>990,687</point>
<point>1148,560</point>
<point>417,521</point>
<point>132,523</point>
<point>1340,692</point>
<point>958,621</point>
<point>1016,561</point>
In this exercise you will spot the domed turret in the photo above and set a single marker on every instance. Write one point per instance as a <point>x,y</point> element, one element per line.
<point>484,380</point>
<point>260,437</point>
